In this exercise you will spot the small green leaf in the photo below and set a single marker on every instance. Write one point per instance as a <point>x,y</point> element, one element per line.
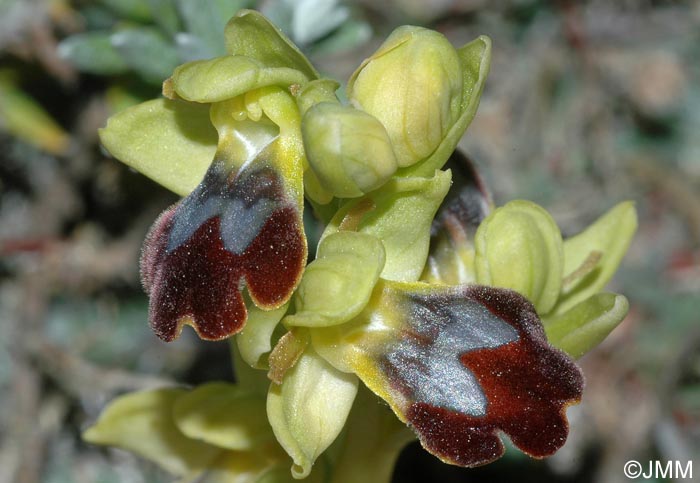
<point>142,423</point>
<point>252,35</point>
<point>24,118</point>
<point>348,36</point>
<point>98,17</point>
<point>338,284</point>
<point>94,53</point>
<point>147,52</point>
<point>190,47</point>
<point>206,20</point>
<point>475,59</point>
<point>138,10</point>
<point>223,415</point>
<point>401,215</point>
<point>610,236</point>
<point>165,14</point>
<point>171,142</point>
<point>519,246</point>
<point>585,325</point>
<point>308,410</point>
<point>315,19</point>
<point>226,77</point>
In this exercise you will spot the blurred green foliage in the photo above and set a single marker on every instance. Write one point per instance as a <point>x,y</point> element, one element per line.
<point>588,103</point>
<point>152,37</point>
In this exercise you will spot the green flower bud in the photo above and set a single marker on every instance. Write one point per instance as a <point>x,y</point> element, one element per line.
<point>413,85</point>
<point>349,150</point>
<point>519,246</point>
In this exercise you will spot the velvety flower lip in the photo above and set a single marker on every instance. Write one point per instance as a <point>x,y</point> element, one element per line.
<point>526,385</point>
<point>460,364</point>
<point>235,226</point>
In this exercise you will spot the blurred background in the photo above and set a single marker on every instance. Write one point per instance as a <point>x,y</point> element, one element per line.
<point>588,103</point>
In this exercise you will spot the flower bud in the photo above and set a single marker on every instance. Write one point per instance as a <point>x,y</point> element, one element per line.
<point>519,246</point>
<point>413,85</point>
<point>349,150</point>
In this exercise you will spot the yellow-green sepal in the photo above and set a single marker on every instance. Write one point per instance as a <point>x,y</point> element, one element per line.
<point>254,342</point>
<point>475,60</point>
<point>586,324</point>
<point>222,78</point>
<point>602,246</point>
<point>223,415</point>
<point>142,423</point>
<point>338,284</point>
<point>252,35</point>
<point>519,246</point>
<point>309,409</point>
<point>400,215</point>
<point>170,141</point>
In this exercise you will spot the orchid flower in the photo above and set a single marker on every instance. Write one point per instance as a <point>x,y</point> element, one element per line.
<point>519,246</point>
<point>231,125</point>
<point>462,318</point>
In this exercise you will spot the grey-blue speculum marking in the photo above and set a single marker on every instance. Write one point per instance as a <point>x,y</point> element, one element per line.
<point>243,205</point>
<point>427,361</point>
